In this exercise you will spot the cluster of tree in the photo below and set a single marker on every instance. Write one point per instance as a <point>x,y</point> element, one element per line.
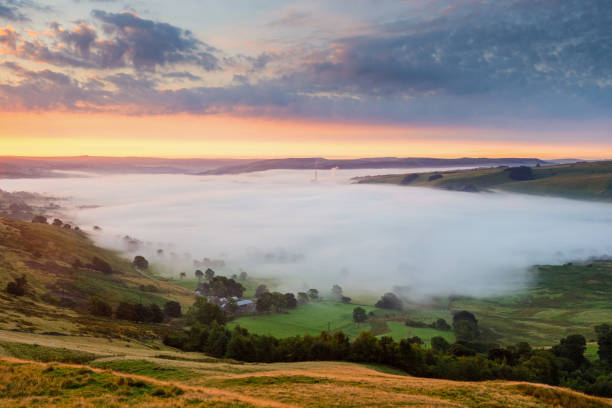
<point>135,312</point>
<point>389,301</point>
<point>41,219</point>
<point>563,364</point>
<point>275,301</point>
<point>17,287</point>
<point>338,293</point>
<point>221,286</point>
<point>439,324</point>
<point>311,296</point>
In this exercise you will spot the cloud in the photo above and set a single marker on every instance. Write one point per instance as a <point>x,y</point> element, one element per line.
<point>291,18</point>
<point>363,237</point>
<point>149,44</point>
<point>125,40</point>
<point>9,11</point>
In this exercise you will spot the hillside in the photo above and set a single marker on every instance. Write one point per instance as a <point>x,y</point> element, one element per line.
<point>57,265</point>
<point>591,180</point>
<point>318,163</point>
<point>126,374</point>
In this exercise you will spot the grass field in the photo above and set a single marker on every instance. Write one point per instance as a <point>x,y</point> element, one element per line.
<point>133,375</point>
<point>311,318</point>
<point>565,299</point>
<point>399,330</point>
<point>580,180</point>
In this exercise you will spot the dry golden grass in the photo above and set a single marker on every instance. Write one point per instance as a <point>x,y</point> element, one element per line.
<point>206,381</point>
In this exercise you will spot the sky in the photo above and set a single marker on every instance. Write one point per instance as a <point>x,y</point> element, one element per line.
<point>278,78</point>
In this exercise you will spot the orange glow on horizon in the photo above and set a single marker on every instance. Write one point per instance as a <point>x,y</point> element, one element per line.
<point>215,136</point>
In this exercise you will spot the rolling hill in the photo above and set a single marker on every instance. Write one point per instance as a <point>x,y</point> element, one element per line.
<point>58,265</point>
<point>592,180</point>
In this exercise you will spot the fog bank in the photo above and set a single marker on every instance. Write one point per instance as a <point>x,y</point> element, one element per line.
<point>280,223</point>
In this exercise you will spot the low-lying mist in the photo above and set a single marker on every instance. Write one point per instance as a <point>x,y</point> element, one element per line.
<point>315,234</point>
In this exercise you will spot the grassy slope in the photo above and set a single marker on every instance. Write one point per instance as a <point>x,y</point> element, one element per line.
<point>132,375</point>
<point>563,300</point>
<point>44,254</point>
<point>580,180</point>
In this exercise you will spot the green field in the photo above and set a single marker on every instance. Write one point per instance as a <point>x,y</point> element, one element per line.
<point>564,299</point>
<point>579,181</point>
<point>400,331</point>
<point>311,318</point>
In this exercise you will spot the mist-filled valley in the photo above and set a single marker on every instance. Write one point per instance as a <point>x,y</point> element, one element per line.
<point>315,233</point>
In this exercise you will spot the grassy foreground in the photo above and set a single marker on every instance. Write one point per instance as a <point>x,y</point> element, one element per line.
<point>578,181</point>
<point>139,376</point>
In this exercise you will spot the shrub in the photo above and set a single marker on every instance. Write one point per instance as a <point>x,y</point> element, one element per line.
<point>140,262</point>
<point>99,307</point>
<point>17,287</point>
<point>101,265</point>
<point>172,309</point>
<point>40,219</point>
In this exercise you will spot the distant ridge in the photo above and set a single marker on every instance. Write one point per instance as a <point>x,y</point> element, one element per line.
<point>318,163</point>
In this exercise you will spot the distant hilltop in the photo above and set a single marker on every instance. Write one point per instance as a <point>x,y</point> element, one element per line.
<point>315,163</point>
<point>35,167</point>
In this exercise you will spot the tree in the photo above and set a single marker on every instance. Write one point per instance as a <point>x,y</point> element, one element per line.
<point>264,302</point>
<point>205,313</point>
<point>210,274</point>
<point>439,344</point>
<point>17,287</point>
<point>302,297</point>
<point>140,262</point>
<point>101,265</point>
<point>39,219</point>
<point>199,274</point>
<point>290,301</point>
<point>441,324</point>
<point>604,341</point>
<point>155,314</point>
<point>172,309</point>
<point>389,301</point>
<point>313,294</point>
<point>98,307</point>
<point>182,275</point>
<point>572,347</point>
<point>260,290</point>
<point>337,290</point>
<point>57,222</point>
<point>125,311</point>
<point>243,276</point>
<point>465,326</point>
<point>359,315</point>
<point>345,299</point>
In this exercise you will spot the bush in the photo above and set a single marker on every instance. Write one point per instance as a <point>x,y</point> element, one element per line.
<point>98,307</point>
<point>101,265</point>
<point>17,287</point>
<point>172,309</point>
<point>40,219</point>
<point>520,173</point>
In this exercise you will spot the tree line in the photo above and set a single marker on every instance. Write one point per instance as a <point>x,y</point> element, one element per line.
<point>564,364</point>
